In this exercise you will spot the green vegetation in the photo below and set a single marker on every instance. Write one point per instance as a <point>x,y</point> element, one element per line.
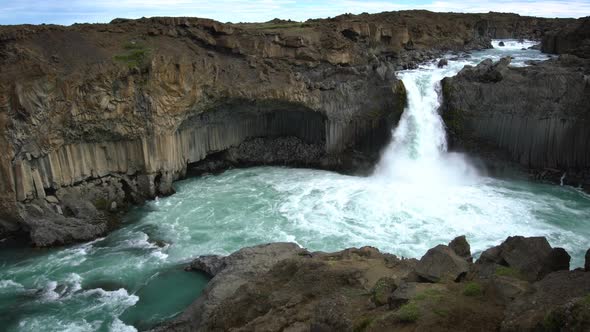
<point>577,316</point>
<point>102,204</point>
<point>408,313</point>
<point>363,325</point>
<point>441,312</point>
<point>504,271</point>
<point>134,56</point>
<point>282,25</point>
<point>472,289</point>
<point>429,294</point>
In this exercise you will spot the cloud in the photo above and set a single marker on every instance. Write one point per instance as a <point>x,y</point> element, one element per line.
<point>68,12</point>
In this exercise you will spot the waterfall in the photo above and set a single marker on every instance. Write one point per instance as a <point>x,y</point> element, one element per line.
<point>418,150</point>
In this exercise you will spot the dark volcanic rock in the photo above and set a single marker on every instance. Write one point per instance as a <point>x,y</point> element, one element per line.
<point>536,115</point>
<point>80,222</point>
<point>210,264</point>
<point>461,247</point>
<point>574,39</point>
<point>532,257</point>
<point>441,263</point>
<point>530,311</point>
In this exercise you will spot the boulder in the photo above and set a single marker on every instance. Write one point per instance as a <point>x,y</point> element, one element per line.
<point>47,227</point>
<point>461,247</point>
<point>441,263</point>
<point>210,264</point>
<point>533,257</point>
<point>443,62</point>
<point>382,290</point>
<point>501,44</point>
<point>557,260</point>
<point>402,294</point>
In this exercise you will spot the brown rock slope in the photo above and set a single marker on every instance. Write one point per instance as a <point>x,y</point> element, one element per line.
<point>521,285</point>
<point>113,113</point>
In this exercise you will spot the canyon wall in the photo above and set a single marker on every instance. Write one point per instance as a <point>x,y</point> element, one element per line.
<point>112,114</point>
<point>539,114</point>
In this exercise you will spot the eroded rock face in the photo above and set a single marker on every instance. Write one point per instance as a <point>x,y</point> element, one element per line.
<point>119,117</point>
<point>573,38</point>
<point>537,115</point>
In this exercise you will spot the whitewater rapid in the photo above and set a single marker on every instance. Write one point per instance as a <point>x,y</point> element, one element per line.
<point>420,195</point>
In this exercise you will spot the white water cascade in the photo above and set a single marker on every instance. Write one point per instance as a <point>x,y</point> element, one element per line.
<point>418,151</point>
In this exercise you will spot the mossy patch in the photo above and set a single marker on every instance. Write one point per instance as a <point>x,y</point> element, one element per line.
<point>134,56</point>
<point>505,271</point>
<point>363,324</point>
<point>429,294</point>
<point>408,313</point>
<point>399,90</point>
<point>102,204</point>
<point>472,289</point>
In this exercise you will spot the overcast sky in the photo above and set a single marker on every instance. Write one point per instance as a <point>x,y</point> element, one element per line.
<point>68,12</point>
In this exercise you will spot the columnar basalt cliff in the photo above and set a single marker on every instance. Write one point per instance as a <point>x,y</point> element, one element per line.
<point>95,117</point>
<point>538,114</point>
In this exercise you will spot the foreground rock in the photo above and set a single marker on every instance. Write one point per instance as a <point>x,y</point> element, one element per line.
<point>535,116</point>
<point>532,257</point>
<point>282,287</point>
<point>442,263</point>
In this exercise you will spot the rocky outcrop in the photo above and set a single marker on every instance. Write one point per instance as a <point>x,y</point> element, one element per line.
<point>532,257</point>
<point>307,288</point>
<point>282,287</point>
<point>114,113</point>
<point>538,115</point>
<point>573,38</point>
<point>441,263</point>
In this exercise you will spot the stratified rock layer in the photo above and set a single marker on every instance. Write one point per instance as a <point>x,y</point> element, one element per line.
<point>538,114</point>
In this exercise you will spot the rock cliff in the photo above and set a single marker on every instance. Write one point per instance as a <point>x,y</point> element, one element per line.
<point>573,38</point>
<point>113,113</point>
<point>538,114</point>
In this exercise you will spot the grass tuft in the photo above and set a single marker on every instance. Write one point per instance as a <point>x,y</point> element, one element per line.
<point>472,289</point>
<point>408,313</point>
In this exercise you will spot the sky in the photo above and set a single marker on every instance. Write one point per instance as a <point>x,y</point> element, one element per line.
<point>100,11</point>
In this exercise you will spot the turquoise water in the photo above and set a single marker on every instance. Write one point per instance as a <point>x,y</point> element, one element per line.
<point>134,276</point>
<point>420,196</point>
